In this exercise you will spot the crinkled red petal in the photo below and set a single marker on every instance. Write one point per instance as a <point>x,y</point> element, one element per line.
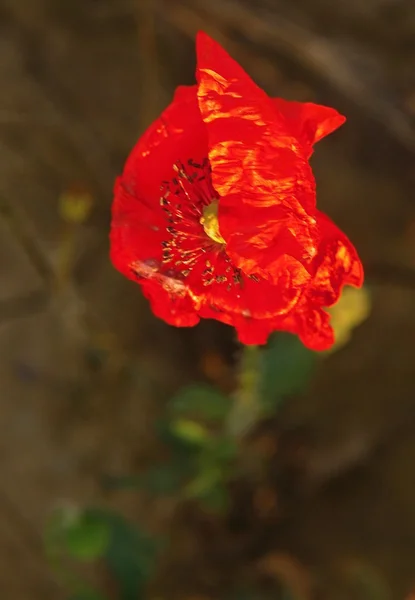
<point>137,231</point>
<point>309,122</point>
<point>228,291</point>
<point>137,234</point>
<point>252,332</point>
<point>261,238</point>
<point>178,134</point>
<point>174,308</point>
<point>336,264</point>
<point>259,168</point>
<point>138,224</point>
<point>252,305</point>
<point>312,325</point>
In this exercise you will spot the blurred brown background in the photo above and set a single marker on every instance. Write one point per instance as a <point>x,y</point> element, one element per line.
<point>83,363</point>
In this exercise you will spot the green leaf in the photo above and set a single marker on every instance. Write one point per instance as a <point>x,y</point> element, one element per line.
<point>216,456</point>
<point>216,499</point>
<point>220,450</point>
<point>191,432</point>
<point>87,537</point>
<point>79,534</point>
<point>200,402</point>
<point>179,447</point>
<point>203,483</point>
<point>286,368</point>
<point>130,556</point>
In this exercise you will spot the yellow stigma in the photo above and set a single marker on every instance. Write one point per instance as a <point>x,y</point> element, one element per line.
<point>210,222</point>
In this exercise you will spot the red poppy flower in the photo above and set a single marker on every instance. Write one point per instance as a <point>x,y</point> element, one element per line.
<point>215,213</point>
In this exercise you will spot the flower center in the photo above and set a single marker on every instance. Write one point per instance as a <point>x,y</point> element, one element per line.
<point>210,223</point>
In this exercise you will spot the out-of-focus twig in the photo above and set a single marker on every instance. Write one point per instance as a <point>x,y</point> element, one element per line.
<point>57,97</point>
<point>188,21</point>
<point>16,308</point>
<point>324,467</point>
<point>27,241</point>
<point>147,41</point>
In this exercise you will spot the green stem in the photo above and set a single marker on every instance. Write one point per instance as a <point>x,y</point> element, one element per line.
<point>246,409</point>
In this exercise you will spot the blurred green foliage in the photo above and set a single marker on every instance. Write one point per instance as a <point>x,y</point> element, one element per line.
<point>190,432</point>
<point>88,537</point>
<point>81,535</point>
<point>128,554</point>
<point>286,369</point>
<point>204,457</point>
<point>200,401</point>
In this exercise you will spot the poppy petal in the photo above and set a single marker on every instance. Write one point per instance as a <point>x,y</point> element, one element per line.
<point>137,232</point>
<point>337,264</point>
<point>136,251</point>
<point>176,309</point>
<point>246,133</point>
<point>253,332</point>
<point>259,168</point>
<point>228,291</point>
<point>138,225</point>
<point>309,122</point>
<point>312,325</point>
<point>178,134</point>
<point>257,240</point>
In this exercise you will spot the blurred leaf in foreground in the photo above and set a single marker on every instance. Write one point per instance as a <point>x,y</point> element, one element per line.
<point>130,556</point>
<point>190,432</point>
<point>216,500</point>
<point>88,538</point>
<point>220,450</point>
<point>203,483</point>
<point>212,465</point>
<point>286,369</point>
<point>129,553</point>
<point>352,309</point>
<point>78,534</point>
<point>201,402</point>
